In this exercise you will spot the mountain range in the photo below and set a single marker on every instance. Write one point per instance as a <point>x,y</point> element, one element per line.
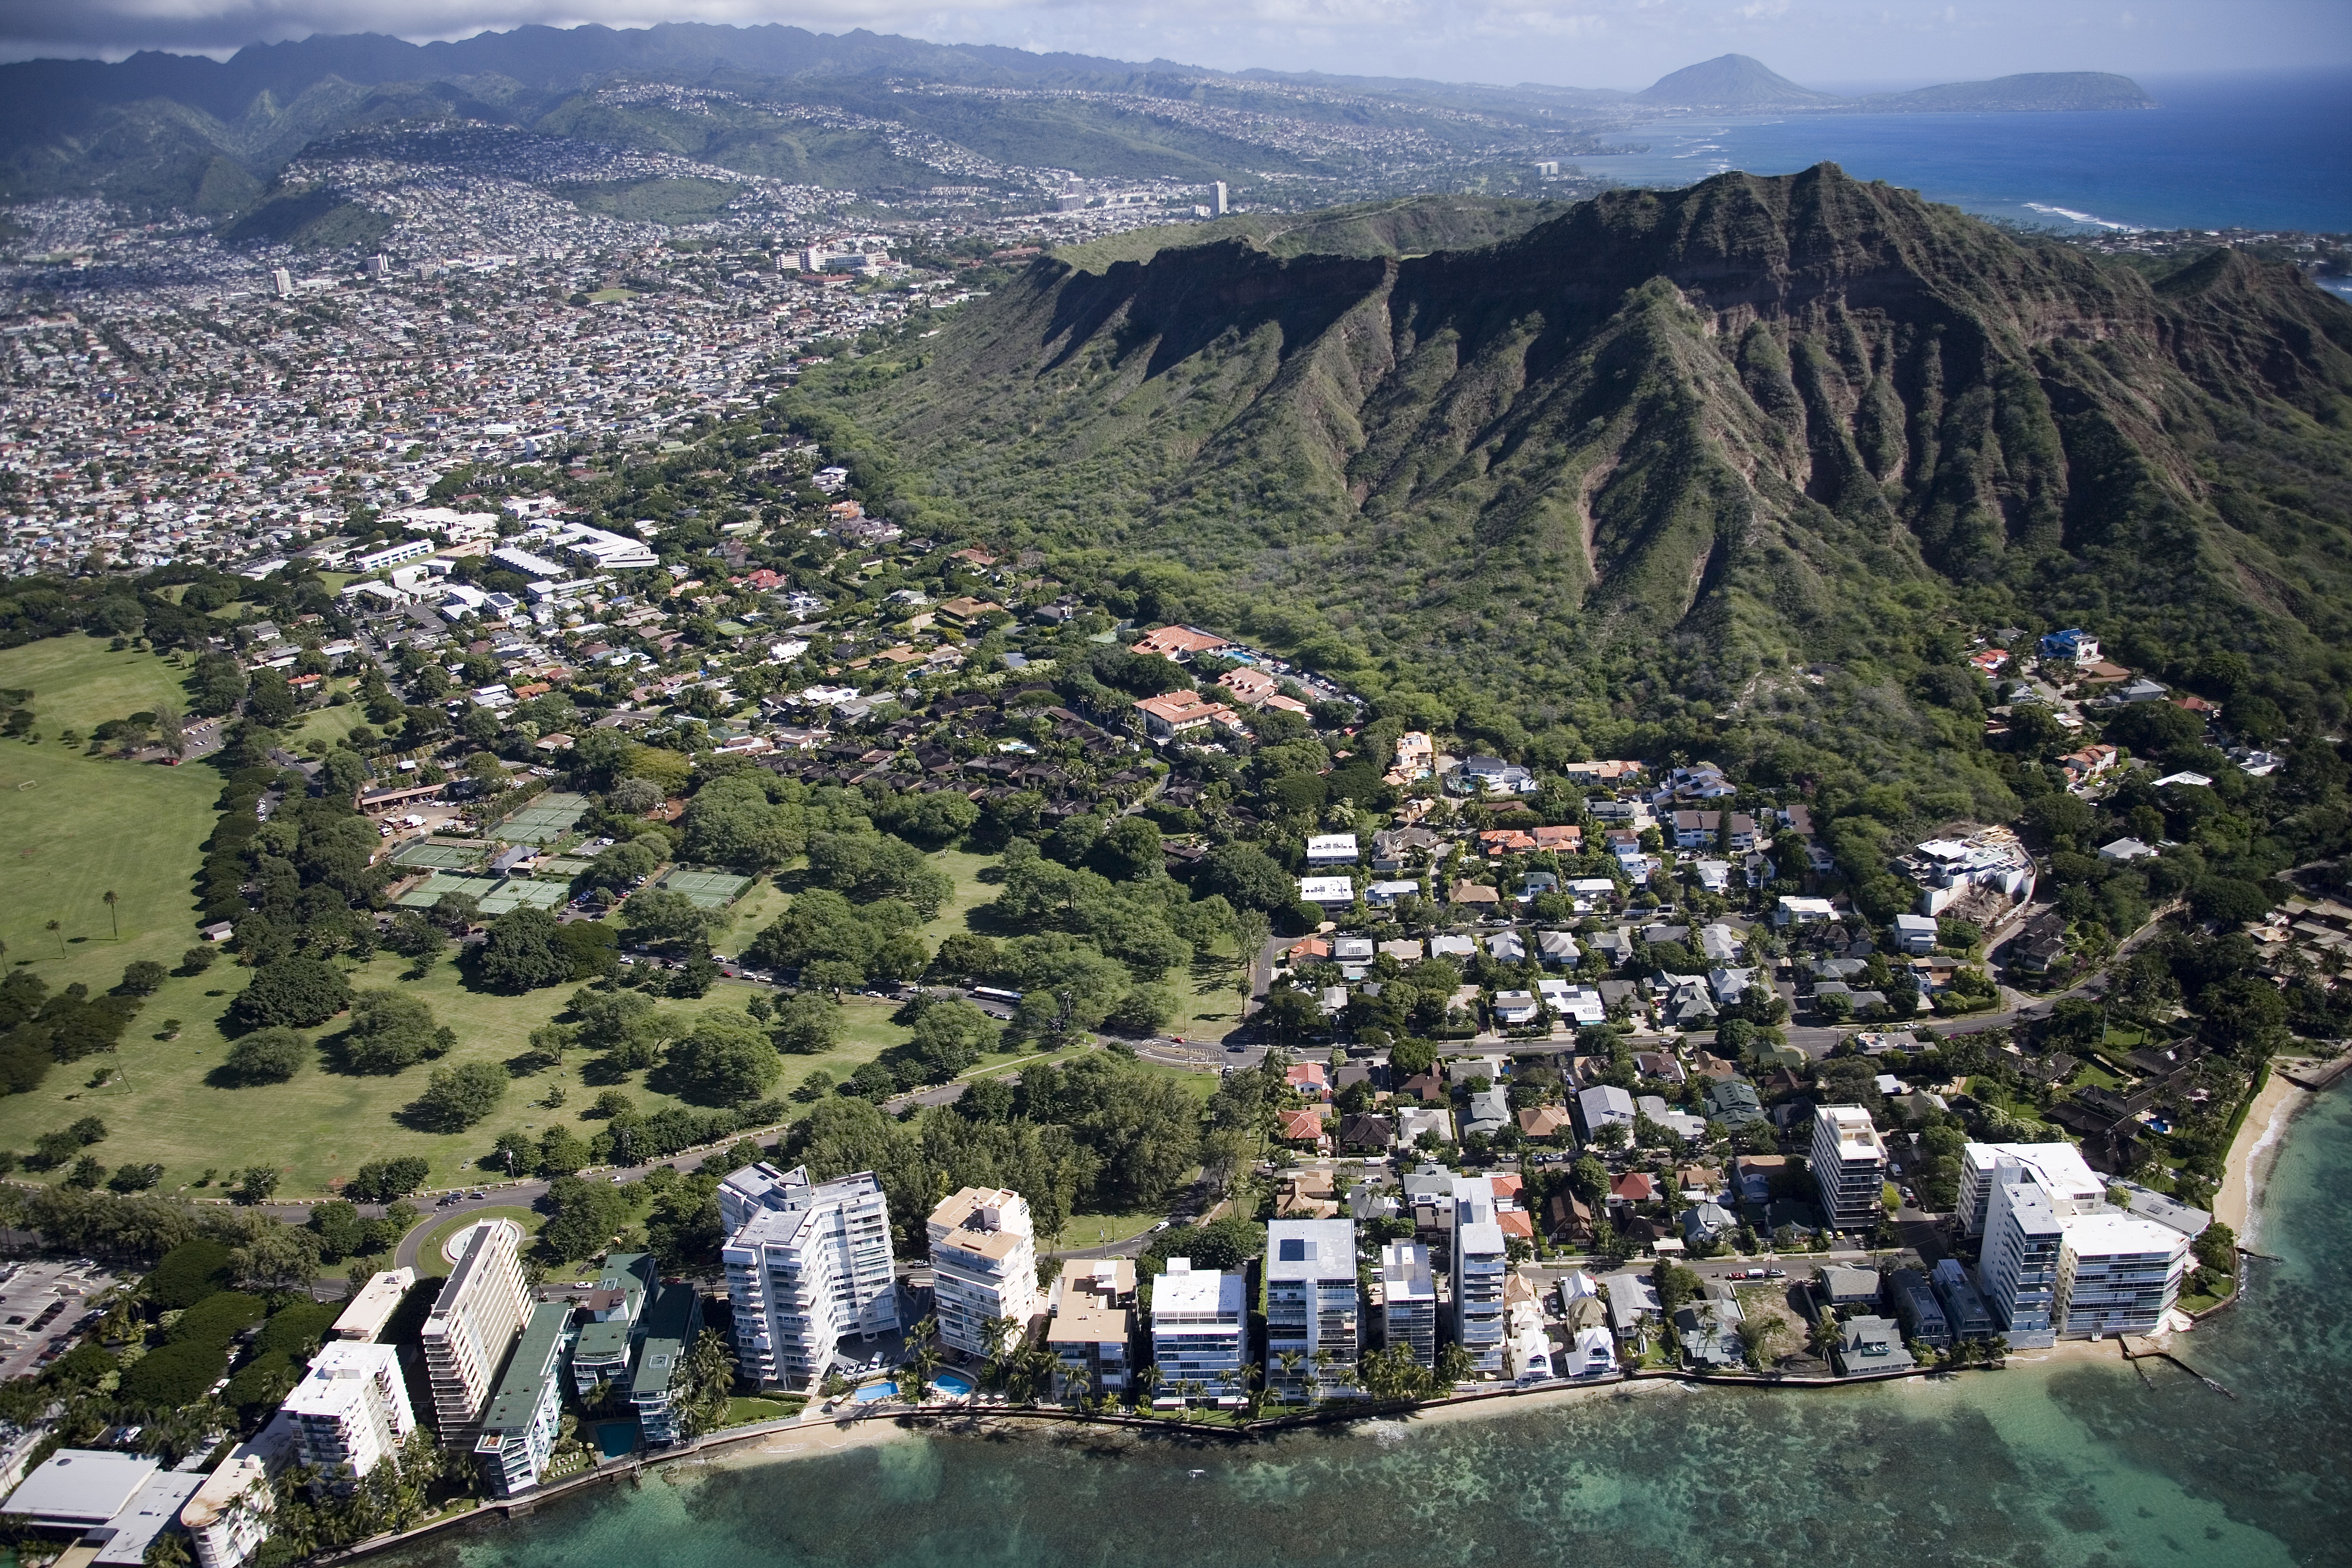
<point>164,131</point>
<point>1660,467</point>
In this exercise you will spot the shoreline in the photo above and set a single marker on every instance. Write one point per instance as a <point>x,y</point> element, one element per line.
<point>2254,1153</point>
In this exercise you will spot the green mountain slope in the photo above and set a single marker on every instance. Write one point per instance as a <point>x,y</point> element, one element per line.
<point>2031,91</point>
<point>1731,81</point>
<point>1657,460</point>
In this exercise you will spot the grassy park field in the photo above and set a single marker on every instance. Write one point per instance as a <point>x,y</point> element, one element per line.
<point>74,827</point>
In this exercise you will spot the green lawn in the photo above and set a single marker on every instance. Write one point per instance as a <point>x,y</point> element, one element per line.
<point>322,1124</point>
<point>744,1412</point>
<point>74,827</point>
<point>970,893</point>
<point>1100,1229</point>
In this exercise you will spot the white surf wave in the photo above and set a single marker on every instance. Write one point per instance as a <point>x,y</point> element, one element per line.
<point>2073,217</point>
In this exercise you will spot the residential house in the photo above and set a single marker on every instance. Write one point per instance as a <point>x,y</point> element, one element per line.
<point>1179,643</point>
<point>1489,1111</point>
<point>1707,1326</point>
<point>1867,1343</point>
<point>1965,1312</point>
<point>1331,850</point>
<point>1917,1309</point>
<point>1557,947</point>
<point>1632,1304</point>
<point>1915,933</point>
<point>1566,1218</point>
<point>1546,1123</point>
<point>1602,1106</point>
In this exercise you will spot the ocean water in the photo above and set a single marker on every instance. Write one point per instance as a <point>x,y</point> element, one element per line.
<point>2076,1464</point>
<point>2273,151</point>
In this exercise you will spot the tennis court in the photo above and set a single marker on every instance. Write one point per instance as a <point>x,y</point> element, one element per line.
<point>544,820</point>
<point>431,891</point>
<point>707,889</point>
<point>516,892</point>
<point>494,895</point>
<point>441,857</point>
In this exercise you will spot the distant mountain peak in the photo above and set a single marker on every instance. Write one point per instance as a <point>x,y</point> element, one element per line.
<point>1730,80</point>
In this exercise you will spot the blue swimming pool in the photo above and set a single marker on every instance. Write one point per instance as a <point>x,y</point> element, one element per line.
<point>869,1393</point>
<point>954,1385</point>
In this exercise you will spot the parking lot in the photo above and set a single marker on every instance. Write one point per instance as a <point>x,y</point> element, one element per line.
<point>42,1305</point>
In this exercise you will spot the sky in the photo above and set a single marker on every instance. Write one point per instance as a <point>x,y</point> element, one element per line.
<point>1845,45</point>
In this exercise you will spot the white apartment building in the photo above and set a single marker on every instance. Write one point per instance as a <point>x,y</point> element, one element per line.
<point>1197,1326</point>
<point>367,1313</point>
<point>230,1515</point>
<point>2059,1260</point>
<point>1408,1300</point>
<point>474,1323</point>
<point>1481,1265</point>
<point>350,1411</point>
<point>1849,1165</point>
<point>984,1264</point>
<point>1313,1307</point>
<point>807,1262</point>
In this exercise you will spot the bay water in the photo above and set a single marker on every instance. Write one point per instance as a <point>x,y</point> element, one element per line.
<point>2264,151</point>
<point>2077,1462</point>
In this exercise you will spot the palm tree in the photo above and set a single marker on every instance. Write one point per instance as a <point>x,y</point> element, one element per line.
<point>998,1333</point>
<point>1290,1362</point>
<point>113,914</point>
<point>1074,1383</point>
<point>56,929</point>
<point>1149,1379</point>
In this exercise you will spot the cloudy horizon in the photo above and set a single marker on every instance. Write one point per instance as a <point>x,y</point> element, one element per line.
<point>1838,45</point>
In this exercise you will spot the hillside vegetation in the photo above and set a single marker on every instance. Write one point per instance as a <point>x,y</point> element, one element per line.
<point>1724,468</point>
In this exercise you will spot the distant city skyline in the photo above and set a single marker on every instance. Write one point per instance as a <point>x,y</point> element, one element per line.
<point>1836,45</point>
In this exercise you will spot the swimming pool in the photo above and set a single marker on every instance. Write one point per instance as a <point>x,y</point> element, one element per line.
<point>954,1385</point>
<point>869,1393</point>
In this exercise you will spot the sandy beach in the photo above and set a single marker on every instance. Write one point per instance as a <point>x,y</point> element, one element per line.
<point>2239,1203</point>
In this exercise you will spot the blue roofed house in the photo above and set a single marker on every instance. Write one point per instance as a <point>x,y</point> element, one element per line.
<point>2073,645</point>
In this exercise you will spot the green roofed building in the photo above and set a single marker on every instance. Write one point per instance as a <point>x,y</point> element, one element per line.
<point>672,1320</point>
<point>615,1310</point>
<point>519,1427</point>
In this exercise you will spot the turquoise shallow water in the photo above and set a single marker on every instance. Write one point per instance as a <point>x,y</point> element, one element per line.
<point>2080,1464</point>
